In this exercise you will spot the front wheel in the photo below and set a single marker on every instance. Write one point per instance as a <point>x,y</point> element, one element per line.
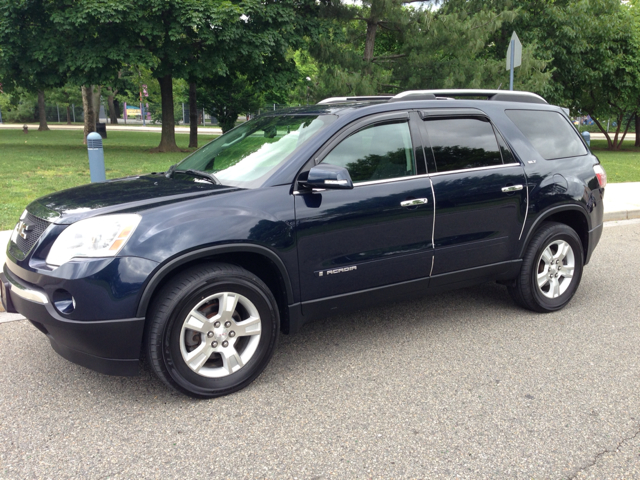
<point>212,330</point>
<point>551,269</point>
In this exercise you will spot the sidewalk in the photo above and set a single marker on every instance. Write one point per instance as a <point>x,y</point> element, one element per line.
<point>202,130</point>
<point>621,202</point>
<point>600,136</point>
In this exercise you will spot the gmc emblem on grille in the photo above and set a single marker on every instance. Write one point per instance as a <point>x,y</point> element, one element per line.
<point>23,229</point>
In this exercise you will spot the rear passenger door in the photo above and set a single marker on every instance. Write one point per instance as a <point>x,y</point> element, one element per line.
<point>480,194</point>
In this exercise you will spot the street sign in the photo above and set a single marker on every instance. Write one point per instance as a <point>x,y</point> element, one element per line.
<point>514,56</point>
<point>517,52</point>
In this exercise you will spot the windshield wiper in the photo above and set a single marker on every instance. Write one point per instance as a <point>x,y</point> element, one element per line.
<point>169,173</point>
<point>199,173</point>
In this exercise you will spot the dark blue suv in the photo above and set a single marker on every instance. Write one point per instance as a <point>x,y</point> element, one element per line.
<point>304,213</point>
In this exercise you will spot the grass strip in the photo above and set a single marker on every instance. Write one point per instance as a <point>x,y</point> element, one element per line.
<point>39,163</point>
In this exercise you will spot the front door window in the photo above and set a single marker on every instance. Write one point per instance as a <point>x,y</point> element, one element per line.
<point>377,152</point>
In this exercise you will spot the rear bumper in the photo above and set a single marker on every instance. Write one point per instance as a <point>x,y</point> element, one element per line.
<point>594,238</point>
<point>106,346</point>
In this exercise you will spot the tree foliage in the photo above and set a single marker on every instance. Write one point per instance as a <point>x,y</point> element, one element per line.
<point>91,41</point>
<point>386,46</point>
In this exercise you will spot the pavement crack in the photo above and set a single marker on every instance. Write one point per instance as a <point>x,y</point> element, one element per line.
<point>599,455</point>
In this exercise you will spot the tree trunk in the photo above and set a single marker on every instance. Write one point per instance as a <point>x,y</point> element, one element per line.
<point>42,113</point>
<point>193,116</point>
<point>626,130</point>
<point>113,115</point>
<point>68,114</point>
<point>370,42</point>
<point>168,138</point>
<point>637,144</point>
<point>610,143</point>
<point>97,90</point>
<point>89,116</point>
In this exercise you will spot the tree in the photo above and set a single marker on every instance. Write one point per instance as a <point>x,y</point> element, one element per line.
<point>193,115</point>
<point>591,47</point>
<point>227,97</point>
<point>596,55</point>
<point>17,106</point>
<point>193,40</point>
<point>452,49</point>
<point>30,52</point>
<point>89,112</point>
<point>389,45</point>
<point>66,96</point>
<point>47,44</point>
<point>635,12</point>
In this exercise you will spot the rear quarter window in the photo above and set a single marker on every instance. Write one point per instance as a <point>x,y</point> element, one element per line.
<point>550,133</point>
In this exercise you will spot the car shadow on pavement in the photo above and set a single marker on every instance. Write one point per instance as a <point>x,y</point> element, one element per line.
<point>365,334</point>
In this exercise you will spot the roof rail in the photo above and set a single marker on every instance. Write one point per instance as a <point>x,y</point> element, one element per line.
<point>496,95</point>
<point>327,101</point>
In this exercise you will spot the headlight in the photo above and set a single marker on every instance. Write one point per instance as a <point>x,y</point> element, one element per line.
<point>95,237</point>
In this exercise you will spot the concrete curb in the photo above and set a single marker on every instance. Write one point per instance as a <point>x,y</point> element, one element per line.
<point>622,201</point>
<point>622,215</point>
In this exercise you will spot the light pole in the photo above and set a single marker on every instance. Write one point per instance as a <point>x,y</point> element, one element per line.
<point>308,80</point>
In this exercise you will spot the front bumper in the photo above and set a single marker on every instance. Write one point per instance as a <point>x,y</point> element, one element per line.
<point>106,346</point>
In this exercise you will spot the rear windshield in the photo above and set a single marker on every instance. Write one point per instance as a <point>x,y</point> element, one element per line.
<point>549,132</point>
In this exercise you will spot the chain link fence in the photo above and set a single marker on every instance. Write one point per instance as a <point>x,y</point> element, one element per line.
<point>73,113</point>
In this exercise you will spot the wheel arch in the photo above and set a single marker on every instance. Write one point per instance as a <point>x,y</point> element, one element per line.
<point>574,216</point>
<point>260,261</point>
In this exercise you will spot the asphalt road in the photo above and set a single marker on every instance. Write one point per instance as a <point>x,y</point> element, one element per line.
<point>462,385</point>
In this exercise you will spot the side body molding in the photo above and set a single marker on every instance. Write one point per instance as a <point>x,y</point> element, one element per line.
<point>168,267</point>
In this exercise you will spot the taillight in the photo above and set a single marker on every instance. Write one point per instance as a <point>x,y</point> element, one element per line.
<point>601,174</point>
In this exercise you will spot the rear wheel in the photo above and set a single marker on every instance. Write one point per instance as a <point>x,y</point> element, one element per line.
<point>551,269</point>
<point>212,330</point>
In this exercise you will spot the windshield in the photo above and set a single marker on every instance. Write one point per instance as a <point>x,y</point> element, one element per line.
<point>248,154</point>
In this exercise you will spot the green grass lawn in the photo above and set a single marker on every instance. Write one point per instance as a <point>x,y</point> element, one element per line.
<point>40,163</point>
<point>621,166</point>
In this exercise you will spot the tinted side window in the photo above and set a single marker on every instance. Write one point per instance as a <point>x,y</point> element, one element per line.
<point>376,152</point>
<point>461,143</point>
<point>549,133</point>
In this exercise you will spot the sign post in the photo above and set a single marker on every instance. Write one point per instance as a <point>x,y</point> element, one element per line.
<point>514,56</point>
<point>143,113</point>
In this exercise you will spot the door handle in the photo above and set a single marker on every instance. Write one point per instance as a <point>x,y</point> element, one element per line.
<point>512,188</point>
<point>414,202</point>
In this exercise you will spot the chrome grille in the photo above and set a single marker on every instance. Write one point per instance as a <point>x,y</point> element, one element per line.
<point>33,229</point>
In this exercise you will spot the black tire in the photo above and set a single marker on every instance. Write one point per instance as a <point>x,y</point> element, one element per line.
<point>169,338</point>
<point>527,292</point>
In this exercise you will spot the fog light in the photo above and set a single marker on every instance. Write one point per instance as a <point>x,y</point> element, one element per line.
<point>63,301</point>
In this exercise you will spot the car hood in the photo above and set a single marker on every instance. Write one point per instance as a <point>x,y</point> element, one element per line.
<point>128,194</point>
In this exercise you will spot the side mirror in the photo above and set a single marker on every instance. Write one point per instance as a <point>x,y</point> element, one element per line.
<point>330,177</point>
